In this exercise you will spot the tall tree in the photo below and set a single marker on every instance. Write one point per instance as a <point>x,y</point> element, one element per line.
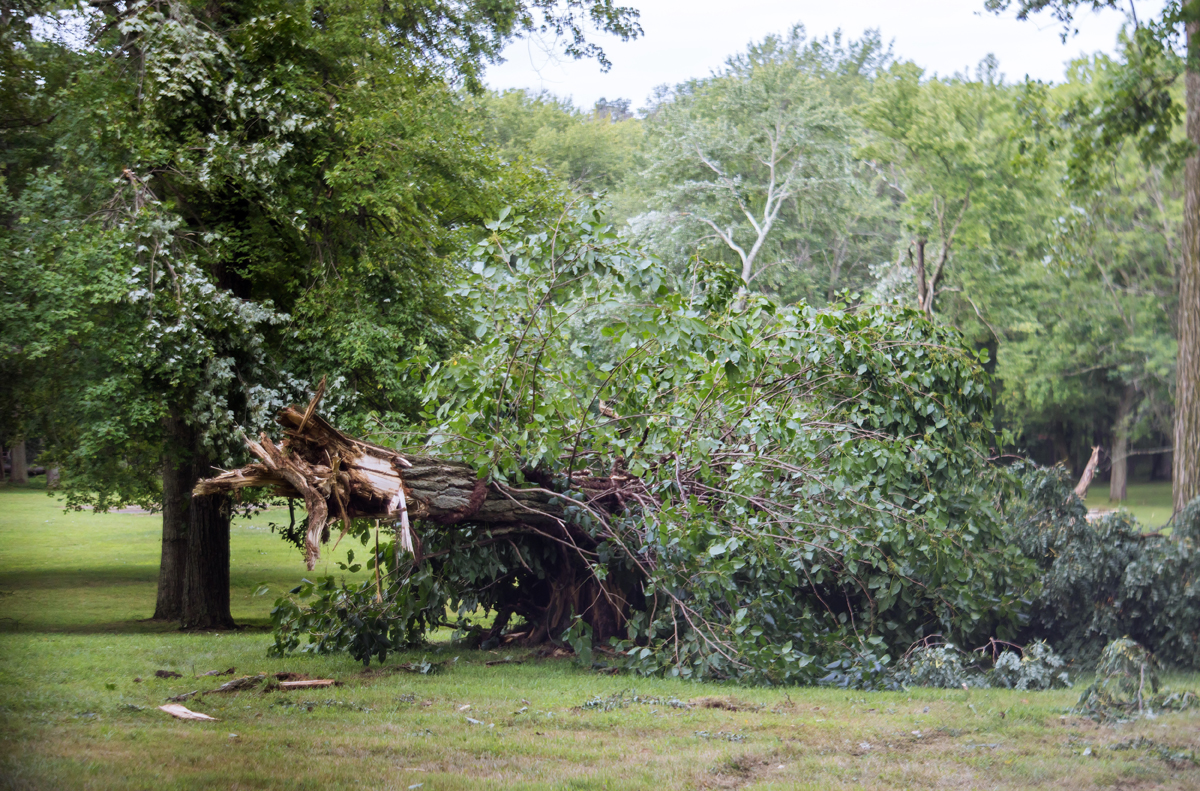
<point>1142,107</point>
<point>246,197</point>
<point>743,163</point>
<point>590,151</point>
<point>942,149</point>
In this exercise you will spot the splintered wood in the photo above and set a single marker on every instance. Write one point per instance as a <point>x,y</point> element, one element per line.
<point>184,713</point>
<point>1089,472</point>
<point>313,682</point>
<point>337,476</point>
<point>343,478</point>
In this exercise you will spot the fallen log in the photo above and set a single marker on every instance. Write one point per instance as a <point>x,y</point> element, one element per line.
<point>341,477</point>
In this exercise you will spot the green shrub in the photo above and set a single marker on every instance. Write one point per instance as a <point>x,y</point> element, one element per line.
<point>1036,667</point>
<point>1104,580</point>
<point>945,666</point>
<point>1127,685</point>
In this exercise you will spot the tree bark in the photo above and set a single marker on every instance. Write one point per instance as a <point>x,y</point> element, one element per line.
<point>179,476</point>
<point>1117,482</point>
<point>922,286</point>
<point>20,466</point>
<point>343,478</point>
<point>206,578</point>
<point>1186,478</point>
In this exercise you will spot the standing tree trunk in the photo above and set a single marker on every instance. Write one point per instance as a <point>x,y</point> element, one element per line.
<point>179,475</point>
<point>1117,482</point>
<point>1186,478</point>
<point>206,578</point>
<point>922,284</point>
<point>20,467</point>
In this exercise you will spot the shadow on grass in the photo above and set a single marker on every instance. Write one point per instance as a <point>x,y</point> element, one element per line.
<point>11,625</point>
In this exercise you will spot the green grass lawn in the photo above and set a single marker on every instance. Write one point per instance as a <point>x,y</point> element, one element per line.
<point>1150,502</point>
<point>79,697</point>
<point>86,572</point>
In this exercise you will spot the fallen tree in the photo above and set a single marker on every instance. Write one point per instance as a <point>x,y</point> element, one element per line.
<point>707,489</point>
<point>343,478</point>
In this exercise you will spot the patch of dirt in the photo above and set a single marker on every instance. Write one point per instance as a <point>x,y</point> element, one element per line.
<point>725,704</point>
<point>737,771</point>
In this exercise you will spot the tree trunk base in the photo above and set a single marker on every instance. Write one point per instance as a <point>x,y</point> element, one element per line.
<point>206,579</point>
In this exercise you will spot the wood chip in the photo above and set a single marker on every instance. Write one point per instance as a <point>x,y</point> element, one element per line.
<point>313,682</point>
<point>184,713</point>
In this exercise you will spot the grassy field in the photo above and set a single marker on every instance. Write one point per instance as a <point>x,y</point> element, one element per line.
<point>78,698</point>
<point>1150,502</point>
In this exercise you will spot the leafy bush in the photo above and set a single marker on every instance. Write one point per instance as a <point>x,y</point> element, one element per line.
<point>1127,685</point>
<point>1104,580</point>
<point>943,666</point>
<point>1036,667</point>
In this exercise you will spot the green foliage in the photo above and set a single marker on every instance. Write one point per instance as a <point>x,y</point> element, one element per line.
<point>946,152</point>
<point>214,205</point>
<point>752,167</point>
<point>1104,580</point>
<point>592,151</point>
<point>1110,253</point>
<point>1127,685</point>
<point>1036,667</point>
<point>355,618</point>
<point>1136,101</point>
<point>811,484</point>
<point>941,665</point>
<point>945,666</point>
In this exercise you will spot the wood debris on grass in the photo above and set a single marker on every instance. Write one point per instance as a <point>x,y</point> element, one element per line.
<point>228,672</point>
<point>167,674</point>
<point>184,713</point>
<point>312,682</point>
<point>239,684</point>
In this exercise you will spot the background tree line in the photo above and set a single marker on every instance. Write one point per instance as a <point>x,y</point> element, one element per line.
<point>810,168</point>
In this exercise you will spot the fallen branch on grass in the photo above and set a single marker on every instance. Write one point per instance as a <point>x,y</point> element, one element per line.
<point>184,713</point>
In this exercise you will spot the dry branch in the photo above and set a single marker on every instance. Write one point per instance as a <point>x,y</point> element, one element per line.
<point>1089,472</point>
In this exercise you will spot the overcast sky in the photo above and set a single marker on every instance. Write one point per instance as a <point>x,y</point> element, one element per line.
<point>691,38</point>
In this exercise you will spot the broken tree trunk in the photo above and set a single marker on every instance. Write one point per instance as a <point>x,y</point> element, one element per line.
<point>1089,472</point>
<point>341,478</point>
